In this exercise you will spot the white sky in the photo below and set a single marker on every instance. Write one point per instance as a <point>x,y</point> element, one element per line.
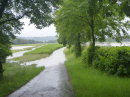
<point>31,31</point>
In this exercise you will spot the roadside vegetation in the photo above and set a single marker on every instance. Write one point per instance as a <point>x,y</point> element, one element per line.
<point>15,76</point>
<point>38,53</point>
<point>88,81</point>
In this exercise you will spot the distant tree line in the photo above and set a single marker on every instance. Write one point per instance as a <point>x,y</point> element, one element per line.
<point>23,41</point>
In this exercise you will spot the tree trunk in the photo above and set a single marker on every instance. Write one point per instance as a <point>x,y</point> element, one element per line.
<point>1,68</point>
<point>1,71</point>
<point>78,46</point>
<point>93,40</point>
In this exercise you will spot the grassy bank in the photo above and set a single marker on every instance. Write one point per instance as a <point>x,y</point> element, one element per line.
<point>89,82</point>
<point>38,53</point>
<point>16,76</point>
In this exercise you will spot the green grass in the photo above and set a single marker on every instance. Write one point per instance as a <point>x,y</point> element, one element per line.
<point>38,53</point>
<point>89,82</point>
<point>47,49</point>
<point>16,76</point>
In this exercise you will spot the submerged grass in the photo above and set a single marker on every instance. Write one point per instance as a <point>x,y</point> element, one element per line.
<point>89,82</point>
<point>16,76</point>
<point>31,57</point>
<point>38,53</point>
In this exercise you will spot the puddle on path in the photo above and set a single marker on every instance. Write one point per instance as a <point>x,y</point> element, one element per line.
<point>51,82</point>
<point>54,59</point>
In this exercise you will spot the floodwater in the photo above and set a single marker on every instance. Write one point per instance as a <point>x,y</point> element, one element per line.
<point>53,81</point>
<point>119,44</point>
<point>17,54</point>
<point>20,47</point>
<point>57,57</point>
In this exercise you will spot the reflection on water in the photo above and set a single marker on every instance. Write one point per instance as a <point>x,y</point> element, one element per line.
<point>57,57</point>
<point>17,54</point>
<point>20,47</point>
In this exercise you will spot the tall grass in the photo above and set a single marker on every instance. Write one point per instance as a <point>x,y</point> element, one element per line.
<point>16,76</point>
<point>90,82</point>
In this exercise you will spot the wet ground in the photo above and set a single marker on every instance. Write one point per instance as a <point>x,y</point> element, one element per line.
<point>53,81</point>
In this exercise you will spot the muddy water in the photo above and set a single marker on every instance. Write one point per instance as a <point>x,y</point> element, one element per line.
<point>51,82</point>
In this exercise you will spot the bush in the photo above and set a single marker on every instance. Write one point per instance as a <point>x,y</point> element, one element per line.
<point>113,60</point>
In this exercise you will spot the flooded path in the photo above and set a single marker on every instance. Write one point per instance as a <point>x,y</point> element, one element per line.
<point>51,82</point>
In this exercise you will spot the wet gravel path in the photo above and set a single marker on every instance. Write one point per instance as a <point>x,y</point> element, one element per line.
<point>51,82</point>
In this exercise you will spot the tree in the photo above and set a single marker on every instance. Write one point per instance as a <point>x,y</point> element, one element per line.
<point>97,19</point>
<point>11,11</point>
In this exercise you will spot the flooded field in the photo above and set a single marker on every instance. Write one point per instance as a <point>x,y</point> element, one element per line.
<point>57,57</point>
<point>20,47</point>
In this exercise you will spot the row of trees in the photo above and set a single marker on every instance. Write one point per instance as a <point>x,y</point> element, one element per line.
<point>11,11</point>
<point>80,21</point>
<point>23,41</point>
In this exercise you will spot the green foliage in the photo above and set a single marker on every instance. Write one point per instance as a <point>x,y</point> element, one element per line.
<point>114,60</point>
<point>11,11</point>
<point>90,82</point>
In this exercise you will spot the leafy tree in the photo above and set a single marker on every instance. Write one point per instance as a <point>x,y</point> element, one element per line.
<point>96,19</point>
<point>11,11</point>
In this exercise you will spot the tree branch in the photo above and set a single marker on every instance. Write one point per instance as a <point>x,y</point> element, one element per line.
<point>14,19</point>
<point>3,5</point>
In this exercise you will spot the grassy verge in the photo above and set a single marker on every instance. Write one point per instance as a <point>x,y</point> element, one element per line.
<point>16,76</point>
<point>38,53</point>
<point>89,82</point>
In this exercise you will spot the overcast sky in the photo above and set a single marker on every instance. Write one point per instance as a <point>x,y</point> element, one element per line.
<point>31,31</point>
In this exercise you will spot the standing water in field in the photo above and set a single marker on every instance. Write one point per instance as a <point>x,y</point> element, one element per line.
<point>51,82</point>
<point>54,59</point>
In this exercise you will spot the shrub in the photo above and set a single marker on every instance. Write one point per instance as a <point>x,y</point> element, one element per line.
<point>113,60</point>
<point>116,60</point>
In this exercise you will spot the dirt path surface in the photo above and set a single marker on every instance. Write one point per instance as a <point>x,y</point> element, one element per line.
<point>51,82</point>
